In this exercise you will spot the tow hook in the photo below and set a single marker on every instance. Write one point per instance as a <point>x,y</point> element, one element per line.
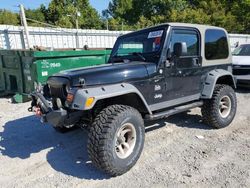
<point>37,111</point>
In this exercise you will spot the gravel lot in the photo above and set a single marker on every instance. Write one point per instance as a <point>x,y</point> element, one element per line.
<point>175,154</point>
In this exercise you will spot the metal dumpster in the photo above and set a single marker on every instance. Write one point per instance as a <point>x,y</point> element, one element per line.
<point>21,70</point>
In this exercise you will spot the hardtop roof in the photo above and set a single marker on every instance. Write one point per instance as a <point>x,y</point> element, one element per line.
<point>177,24</point>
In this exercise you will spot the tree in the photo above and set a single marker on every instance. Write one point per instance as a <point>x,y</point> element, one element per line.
<point>35,14</point>
<point>241,11</point>
<point>231,14</point>
<point>132,11</point>
<point>8,17</point>
<point>211,12</point>
<point>65,12</point>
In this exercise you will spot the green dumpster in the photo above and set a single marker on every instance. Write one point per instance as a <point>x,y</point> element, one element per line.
<point>22,71</point>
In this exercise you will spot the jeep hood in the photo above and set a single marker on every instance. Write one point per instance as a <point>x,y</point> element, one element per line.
<point>109,73</point>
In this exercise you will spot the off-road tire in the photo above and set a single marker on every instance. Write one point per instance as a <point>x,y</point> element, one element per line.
<point>210,109</point>
<point>102,139</point>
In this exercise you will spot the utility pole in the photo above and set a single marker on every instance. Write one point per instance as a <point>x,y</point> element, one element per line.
<point>25,25</point>
<point>77,23</point>
<point>78,14</point>
<point>107,22</point>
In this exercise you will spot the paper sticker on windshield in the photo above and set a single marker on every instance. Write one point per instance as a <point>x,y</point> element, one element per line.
<point>155,34</point>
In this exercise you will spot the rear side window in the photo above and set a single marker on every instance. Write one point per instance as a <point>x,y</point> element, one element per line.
<point>216,46</point>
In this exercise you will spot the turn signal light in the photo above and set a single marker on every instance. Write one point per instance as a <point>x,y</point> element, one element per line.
<point>89,102</point>
<point>70,97</point>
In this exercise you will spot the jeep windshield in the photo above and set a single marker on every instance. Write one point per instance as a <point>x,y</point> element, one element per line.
<point>243,50</point>
<point>139,46</point>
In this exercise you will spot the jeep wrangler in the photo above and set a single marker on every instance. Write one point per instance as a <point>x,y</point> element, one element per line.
<point>151,74</point>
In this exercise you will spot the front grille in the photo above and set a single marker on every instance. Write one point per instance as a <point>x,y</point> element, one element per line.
<point>57,87</point>
<point>241,70</point>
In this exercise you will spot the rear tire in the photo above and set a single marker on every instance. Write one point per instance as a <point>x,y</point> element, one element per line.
<point>116,139</point>
<point>220,110</point>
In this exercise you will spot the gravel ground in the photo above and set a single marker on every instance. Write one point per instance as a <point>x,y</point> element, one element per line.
<point>179,151</point>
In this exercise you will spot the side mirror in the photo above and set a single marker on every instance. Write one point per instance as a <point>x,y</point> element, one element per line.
<point>180,49</point>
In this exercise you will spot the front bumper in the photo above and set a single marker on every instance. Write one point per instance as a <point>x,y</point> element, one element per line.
<point>58,118</point>
<point>242,75</point>
<point>243,80</point>
<point>241,70</point>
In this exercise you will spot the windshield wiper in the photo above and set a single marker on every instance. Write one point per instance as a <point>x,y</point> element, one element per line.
<point>118,58</point>
<point>139,54</point>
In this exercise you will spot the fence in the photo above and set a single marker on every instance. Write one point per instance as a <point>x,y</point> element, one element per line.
<point>13,37</point>
<point>238,39</point>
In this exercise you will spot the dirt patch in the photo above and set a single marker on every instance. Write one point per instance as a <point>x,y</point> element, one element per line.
<point>178,151</point>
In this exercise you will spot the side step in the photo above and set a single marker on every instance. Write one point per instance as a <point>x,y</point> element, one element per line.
<point>174,110</point>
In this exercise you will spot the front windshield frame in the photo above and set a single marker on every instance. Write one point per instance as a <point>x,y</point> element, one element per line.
<point>133,56</point>
<point>239,50</point>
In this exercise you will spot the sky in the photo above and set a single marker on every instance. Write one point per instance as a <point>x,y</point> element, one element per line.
<point>12,4</point>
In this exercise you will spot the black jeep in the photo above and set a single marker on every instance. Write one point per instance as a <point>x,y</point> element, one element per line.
<point>152,73</point>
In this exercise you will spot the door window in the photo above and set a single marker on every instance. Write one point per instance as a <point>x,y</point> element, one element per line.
<point>190,37</point>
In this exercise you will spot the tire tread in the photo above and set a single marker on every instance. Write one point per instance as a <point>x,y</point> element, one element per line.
<point>209,109</point>
<point>101,131</point>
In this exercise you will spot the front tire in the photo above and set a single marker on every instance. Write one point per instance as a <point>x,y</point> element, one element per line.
<point>220,110</point>
<point>116,139</point>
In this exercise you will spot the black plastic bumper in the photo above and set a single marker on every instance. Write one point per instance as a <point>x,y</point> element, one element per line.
<point>242,75</point>
<point>243,80</point>
<point>48,115</point>
<point>241,70</point>
<point>58,118</point>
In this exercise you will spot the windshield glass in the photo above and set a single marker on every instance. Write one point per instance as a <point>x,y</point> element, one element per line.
<point>142,46</point>
<point>243,50</point>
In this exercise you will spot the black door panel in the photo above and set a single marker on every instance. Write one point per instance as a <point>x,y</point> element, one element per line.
<point>185,74</point>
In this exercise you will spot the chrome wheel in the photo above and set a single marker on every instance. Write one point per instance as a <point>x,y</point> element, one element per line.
<point>125,140</point>
<point>225,106</point>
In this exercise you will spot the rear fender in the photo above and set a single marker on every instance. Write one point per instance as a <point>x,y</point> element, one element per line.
<point>218,76</point>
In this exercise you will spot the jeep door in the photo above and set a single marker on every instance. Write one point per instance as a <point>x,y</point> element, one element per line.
<point>183,78</point>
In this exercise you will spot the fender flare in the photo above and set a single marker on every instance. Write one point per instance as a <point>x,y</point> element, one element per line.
<point>211,80</point>
<point>105,92</point>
